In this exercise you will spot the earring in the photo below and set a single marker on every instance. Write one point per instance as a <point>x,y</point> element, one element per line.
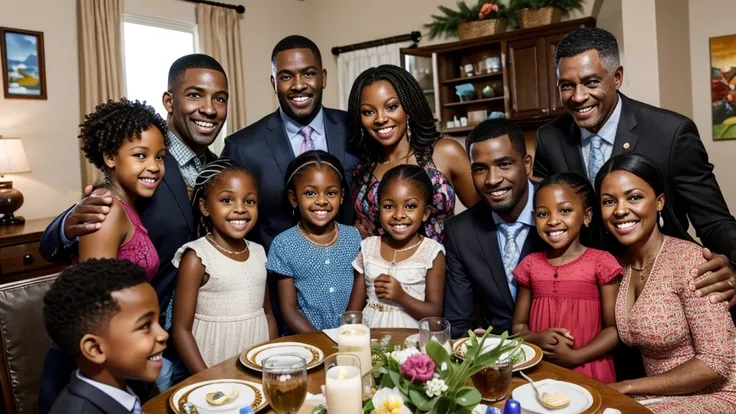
<point>362,134</point>
<point>661,219</point>
<point>408,129</point>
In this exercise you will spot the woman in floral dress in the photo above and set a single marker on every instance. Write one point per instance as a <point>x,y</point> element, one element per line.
<point>687,343</point>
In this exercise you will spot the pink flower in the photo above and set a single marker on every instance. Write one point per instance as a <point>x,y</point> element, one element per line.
<point>486,9</point>
<point>418,367</point>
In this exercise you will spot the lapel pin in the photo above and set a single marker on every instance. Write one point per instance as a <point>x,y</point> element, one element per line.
<point>626,145</point>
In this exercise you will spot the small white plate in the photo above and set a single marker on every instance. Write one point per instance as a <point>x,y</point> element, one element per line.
<point>532,353</point>
<point>249,394</point>
<point>580,398</point>
<point>253,357</point>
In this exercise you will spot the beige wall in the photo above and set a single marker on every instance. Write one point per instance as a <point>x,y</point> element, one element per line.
<point>709,18</point>
<point>673,55</point>
<point>48,128</point>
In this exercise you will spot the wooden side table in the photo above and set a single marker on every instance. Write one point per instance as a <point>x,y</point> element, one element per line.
<point>19,255</point>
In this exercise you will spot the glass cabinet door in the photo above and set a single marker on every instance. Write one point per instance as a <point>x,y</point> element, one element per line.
<point>423,69</point>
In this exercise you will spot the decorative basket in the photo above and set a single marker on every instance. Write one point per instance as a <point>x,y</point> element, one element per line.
<point>538,17</point>
<point>480,28</point>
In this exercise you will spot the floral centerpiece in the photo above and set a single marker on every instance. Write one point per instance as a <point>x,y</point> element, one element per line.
<point>485,18</point>
<point>409,381</point>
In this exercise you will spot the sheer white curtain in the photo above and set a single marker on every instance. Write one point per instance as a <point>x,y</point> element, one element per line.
<point>352,64</point>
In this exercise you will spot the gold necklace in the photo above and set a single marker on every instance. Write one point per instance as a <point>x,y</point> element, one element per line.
<point>306,234</point>
<point>393,262</point>
<point>209,237</point>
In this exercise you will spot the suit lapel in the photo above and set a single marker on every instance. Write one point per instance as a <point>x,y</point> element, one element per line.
<point>278,142</point>
<point>488,241</point>
<point>335,143</point>
<point>626,138</point>
<point>104,402</point>
<point>175,183</point>
<point>571,150</point>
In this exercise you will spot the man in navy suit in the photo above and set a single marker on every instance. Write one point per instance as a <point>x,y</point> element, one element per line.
<point>300,124</point>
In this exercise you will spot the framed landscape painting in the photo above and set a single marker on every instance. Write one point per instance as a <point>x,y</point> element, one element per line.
<point>24,72</point>
<point>723,86</point>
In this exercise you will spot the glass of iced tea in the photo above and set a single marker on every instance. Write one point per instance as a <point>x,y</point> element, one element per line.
<point>285,382</point>
<point>493,381</point>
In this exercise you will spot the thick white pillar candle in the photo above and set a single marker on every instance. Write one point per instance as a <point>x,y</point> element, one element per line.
<point>344,390</point>
<point>356,339</point>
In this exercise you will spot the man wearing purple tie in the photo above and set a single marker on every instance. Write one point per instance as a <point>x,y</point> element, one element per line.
<point>300,124</point>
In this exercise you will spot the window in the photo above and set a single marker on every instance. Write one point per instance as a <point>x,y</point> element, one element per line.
<point>151,46</point>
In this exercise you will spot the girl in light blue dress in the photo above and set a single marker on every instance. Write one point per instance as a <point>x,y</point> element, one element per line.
<point>313,260</point>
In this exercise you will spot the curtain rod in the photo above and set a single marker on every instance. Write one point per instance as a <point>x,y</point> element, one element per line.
<point>238,8</point>
<point>413,36</point>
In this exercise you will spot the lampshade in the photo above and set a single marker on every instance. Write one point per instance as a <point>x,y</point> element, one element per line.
<point>13,158</point>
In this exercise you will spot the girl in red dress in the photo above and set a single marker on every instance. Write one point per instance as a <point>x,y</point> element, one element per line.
<point>566,296</point>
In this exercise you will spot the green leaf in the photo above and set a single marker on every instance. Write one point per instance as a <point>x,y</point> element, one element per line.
<point>467,397</point>
<point>387,382</point>
<point>419,398</point>
<point>368,407</point>
<point>438,353</point>
<point>443,406</point>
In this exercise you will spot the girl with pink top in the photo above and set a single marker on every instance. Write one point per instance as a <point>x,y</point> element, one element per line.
<point>124,139</point>
<point>566,296</point>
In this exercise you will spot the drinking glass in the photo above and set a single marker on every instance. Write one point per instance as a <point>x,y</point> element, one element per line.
<point>285,382</point>
<point>493,381</point>
<point>344,383</point>
<point>434,329</point>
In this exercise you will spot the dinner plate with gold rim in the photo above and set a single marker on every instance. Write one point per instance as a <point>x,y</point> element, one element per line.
<point>248,394</point>
<point>254,356</point>
<point>532,353</point>
<point>583,399</point>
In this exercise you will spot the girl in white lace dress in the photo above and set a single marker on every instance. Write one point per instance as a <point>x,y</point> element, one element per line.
<point>221,304</point>
<point>402,273</point>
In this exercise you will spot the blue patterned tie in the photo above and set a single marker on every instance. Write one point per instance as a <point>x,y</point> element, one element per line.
<point>511,252</point>
<point>137,408</point>
<point>596,157</point>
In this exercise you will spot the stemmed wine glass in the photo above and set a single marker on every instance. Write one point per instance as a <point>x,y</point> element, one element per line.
<point>285,382</point>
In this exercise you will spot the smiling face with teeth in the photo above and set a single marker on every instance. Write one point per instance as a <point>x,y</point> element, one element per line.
<point>232,207</point>
<point>138,167</point>
<point>500,175</point>
<point>298,79</point>
<point>403,210</point>
<point>382,115</point>
<point>629,208</point>
<point>132,343</point>
<point>317,192</point>
<point>197,107</point>
<point>588,90</point>
<point>560,213</point>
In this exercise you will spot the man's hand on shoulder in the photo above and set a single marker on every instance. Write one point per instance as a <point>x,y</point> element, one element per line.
<point>720,284</point>
<point>88,215</point>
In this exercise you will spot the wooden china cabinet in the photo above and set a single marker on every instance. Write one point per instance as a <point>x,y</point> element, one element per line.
<point>523,87</point>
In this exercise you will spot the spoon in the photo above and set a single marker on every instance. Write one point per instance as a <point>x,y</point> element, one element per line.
<point>549,400</point>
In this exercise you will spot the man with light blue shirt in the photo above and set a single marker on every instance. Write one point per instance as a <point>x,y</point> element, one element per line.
<point>486,242</point>
<point>300,124</point>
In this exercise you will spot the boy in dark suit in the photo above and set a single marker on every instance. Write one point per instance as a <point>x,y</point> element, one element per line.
<point>104,314</point>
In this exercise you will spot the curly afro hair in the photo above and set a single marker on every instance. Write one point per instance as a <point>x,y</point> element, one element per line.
<point>105,129</point>
<point>80,300</point>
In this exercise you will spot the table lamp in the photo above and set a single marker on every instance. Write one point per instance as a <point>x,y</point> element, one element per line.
<point>12,161</point>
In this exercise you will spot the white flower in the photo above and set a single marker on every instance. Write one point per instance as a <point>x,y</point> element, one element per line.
<point>389,401</point>
<point>435,387</point>
<point>402,354</point>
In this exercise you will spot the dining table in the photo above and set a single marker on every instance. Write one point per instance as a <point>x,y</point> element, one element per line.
<point>233,369</point>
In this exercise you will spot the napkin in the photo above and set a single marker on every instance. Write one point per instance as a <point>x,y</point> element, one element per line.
<point>332,333</point>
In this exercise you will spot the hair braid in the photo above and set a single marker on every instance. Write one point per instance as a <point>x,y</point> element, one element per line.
<point>420,120</point>
<point>206,177</point>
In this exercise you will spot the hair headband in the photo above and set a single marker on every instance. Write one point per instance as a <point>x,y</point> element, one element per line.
<point>311,163</point>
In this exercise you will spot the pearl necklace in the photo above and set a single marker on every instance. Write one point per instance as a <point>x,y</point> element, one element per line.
<point>393,262</point>
<point>209,237</point>
<point>306,235</point>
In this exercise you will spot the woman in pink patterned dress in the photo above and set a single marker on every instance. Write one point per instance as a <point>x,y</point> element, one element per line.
<point>687,343</point>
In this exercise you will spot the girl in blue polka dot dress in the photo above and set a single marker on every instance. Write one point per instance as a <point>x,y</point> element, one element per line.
<point>312,261</point>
